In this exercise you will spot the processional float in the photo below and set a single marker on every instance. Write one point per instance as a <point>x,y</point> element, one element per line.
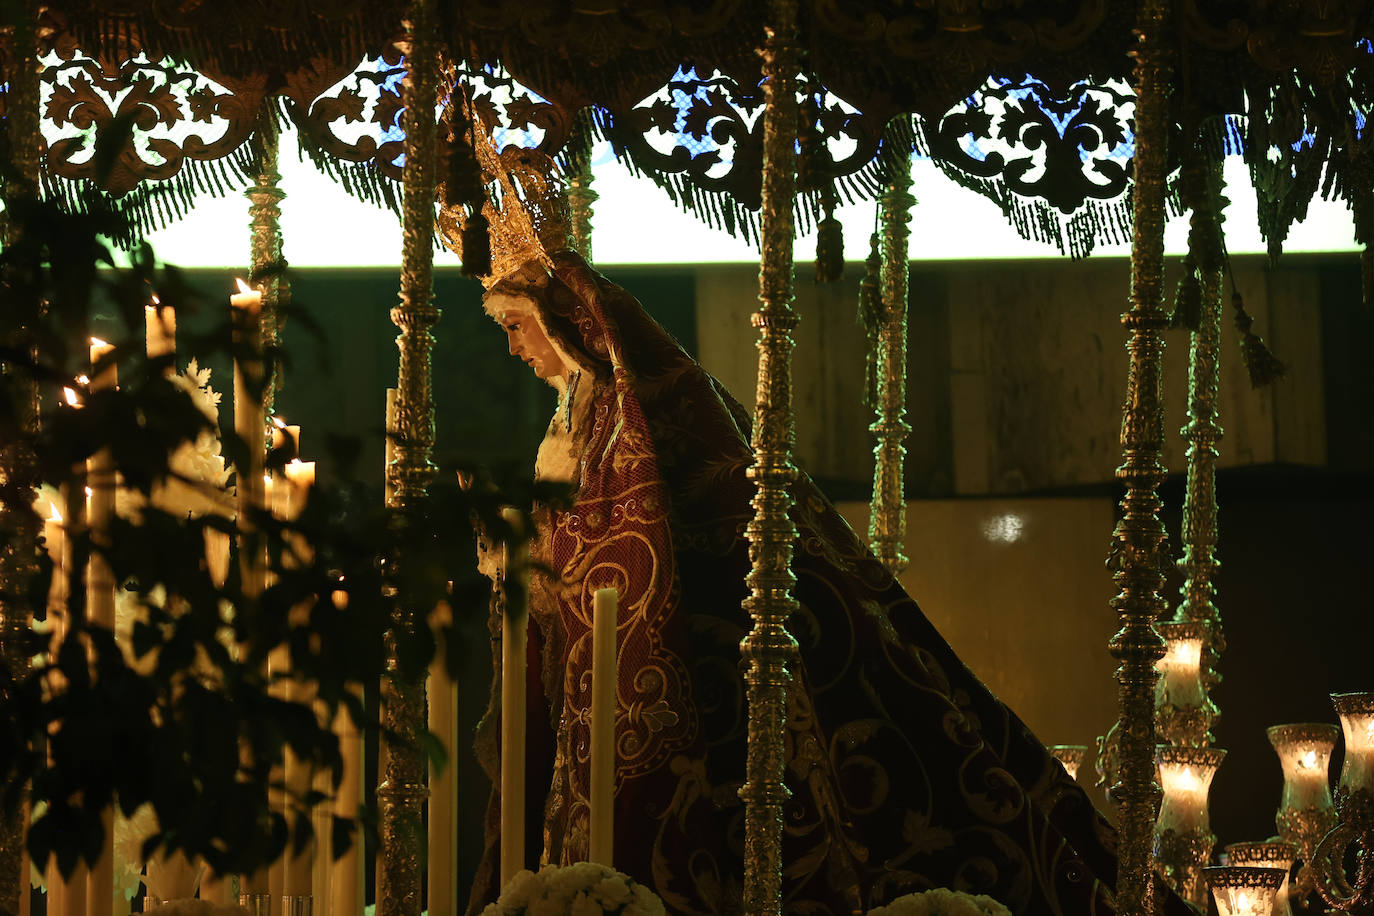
<point>877,82</point>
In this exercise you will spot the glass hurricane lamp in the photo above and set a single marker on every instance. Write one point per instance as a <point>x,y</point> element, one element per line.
<point>1267,855</point>
<point>1243,890</point>
<point>1183,832</point>
<point>1305,813</point>
<point>1071,756</point>
<point>1183,711</point>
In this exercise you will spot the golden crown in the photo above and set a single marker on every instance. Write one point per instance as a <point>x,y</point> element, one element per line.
<point>527,209</point>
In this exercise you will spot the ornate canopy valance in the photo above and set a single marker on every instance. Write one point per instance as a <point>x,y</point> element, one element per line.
<point>1029,104</point>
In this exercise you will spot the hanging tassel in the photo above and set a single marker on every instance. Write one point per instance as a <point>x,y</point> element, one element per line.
<point>476,246</point>
<point>463,179</point>
<point>871,316</point>
<point>829,245</point>
<point>1262,365</point>
<point>1188,298</point>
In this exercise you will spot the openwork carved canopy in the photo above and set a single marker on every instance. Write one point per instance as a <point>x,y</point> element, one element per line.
<point>1029,104</point>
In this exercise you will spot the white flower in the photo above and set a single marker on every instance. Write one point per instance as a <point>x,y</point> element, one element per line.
<point>584,889</point>
<point>942,901</point>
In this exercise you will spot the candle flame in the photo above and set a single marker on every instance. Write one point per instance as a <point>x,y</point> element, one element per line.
<point>243,287</point>
<point>1184,653</point>
<point>156,300</point>
<point>70,395</point>
<point>89,491</point>
<point>97,342</point>
<point>280,424</point>
<point>1308,761</point>
<point>55,516</point>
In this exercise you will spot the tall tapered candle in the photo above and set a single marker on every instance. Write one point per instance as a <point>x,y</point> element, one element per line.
<point>513,648</point>
<point>347,880</point>
<point>443,786</point>
<point>298,477</point>
<point>159,331</point>
<point>100,601</point>
<point>604,674</point>
<point>249,422</point>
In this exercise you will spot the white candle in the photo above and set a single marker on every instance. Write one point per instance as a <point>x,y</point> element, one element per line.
<point>513,648</point>
<point>100,601</point>
<point>159,331</point>
<point>604,674</point>
<point>1181,673</point>
<point>249,421</point>
<point>443,786</point>
<point>300,478</point>
<point>347,880</point>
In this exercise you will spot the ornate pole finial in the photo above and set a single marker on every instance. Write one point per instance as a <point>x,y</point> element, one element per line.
<point>887,514</point>
<point>1139,555</point>
<point>402,793</point>
<point>768,649</point>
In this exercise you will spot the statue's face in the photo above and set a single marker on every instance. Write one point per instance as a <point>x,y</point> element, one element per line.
<point>524,335</point>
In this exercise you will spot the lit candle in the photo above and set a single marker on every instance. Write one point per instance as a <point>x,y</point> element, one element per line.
<point>159,331</point>
<point>1304,751</point>
<point>300,478</point>
<point>1180,683</point>
<point>1267,855</point>
<point>1242,890</point>
<point>100,600</point>
<point>1185,773</point>
<point>513,662</point>
<point>443,786</point>
<point>249,422</point>
<point>604,674</point>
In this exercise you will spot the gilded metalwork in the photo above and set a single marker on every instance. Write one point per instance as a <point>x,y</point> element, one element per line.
<point>402,794</point>
<point>1138,554</point>
<point>1181,858</point>
<point>1203,432</point>
<point>268,266</point>
<point>887,515</point>
<point>581,197</point>
<point>769,648</point>
<point>18,467</point>
<point>1354,828</point>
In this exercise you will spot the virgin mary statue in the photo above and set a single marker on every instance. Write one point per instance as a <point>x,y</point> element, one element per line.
<point>905,772</point>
